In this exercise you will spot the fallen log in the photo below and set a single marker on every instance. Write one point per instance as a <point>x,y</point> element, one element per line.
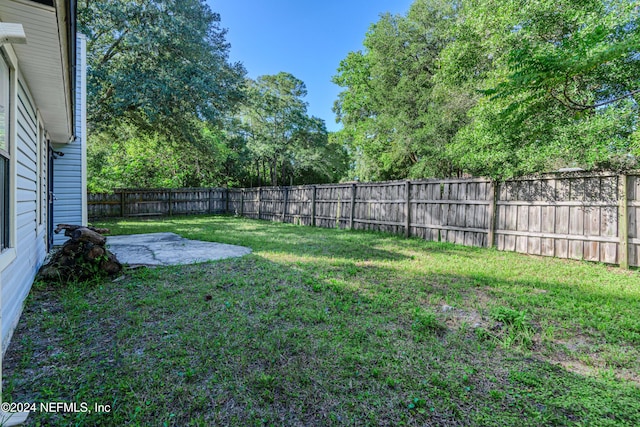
<point>94,252</point>
<point>70,228</point>
<point>84,234</point>
<point>84,256</point>
<point>71,248</point>
<point>111,265</point>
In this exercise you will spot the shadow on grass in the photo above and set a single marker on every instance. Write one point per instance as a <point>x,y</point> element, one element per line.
<point>278,237</point>
<point>252,341</point>
<point>568,293</point>
<point>320,327</point>
<point>601,310</point>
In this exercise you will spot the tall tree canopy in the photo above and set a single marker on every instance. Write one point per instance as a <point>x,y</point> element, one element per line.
<point>286,144</point>
<point>485,87</point>
<point>390,106</point>
<point>159,64</point>
<point>167,109</point>
<point>494,88</point>
<point>558,80</point>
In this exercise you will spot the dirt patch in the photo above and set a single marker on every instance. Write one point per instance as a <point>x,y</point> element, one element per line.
<point>456,318</point>
<point>596,359</point>
<point>578,354</point>
<point>470,315</point>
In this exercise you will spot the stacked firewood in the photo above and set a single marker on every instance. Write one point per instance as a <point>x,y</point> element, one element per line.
<point>83,256</point>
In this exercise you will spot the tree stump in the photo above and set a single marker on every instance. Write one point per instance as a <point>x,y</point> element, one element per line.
<point>84,256</point>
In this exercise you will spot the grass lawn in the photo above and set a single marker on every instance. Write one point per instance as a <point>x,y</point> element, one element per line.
<point>327,327</point>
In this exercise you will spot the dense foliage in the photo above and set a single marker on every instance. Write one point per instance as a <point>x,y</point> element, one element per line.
<point>494,88</point>
<point>482,87</point>
<point>166,108</point>
<point>158,64</point>
<point>287,144</point>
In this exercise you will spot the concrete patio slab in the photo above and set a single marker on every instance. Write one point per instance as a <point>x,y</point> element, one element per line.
<point>169,249</point>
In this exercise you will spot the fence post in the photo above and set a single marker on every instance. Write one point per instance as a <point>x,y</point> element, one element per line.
<point>122,203</point>
<point>170,207</point>
<point>226,206</point>
<point>313,205</point>
<point>259,202</point>
<point>623,218</point>
<point>407,217</point>
<point>242,203</point>
<point>284,205</point>
<point>353,205</point>
<point>492,214</point>
<point>338,212</point>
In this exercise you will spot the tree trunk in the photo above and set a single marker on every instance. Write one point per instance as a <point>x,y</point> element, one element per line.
<point>71,248</point>
<point>283,172</point>
<point>274,172</point>
<point>258,171</point>
<point>111,264</point>
<point>94,252</point>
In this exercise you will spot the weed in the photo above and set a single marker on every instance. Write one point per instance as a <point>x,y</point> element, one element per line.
<point>417,403</point>
<point>426,323</point>
<point>518,331</point>
<point>327,327</point>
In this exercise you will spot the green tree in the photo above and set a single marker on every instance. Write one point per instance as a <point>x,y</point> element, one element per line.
<point>159,64</point>
<point>140,159</point>
<point>392,108</point>
<point>286,144</point>
<point>316,157</point>
<point>497,88</point>
<point>557,80</point>
<point>160,93</point>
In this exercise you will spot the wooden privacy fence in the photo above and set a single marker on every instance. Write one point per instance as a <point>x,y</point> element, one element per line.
<point>595,216</point>
<point>149,202</point>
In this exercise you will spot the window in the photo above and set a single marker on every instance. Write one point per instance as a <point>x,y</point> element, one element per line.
<point>4,154</point>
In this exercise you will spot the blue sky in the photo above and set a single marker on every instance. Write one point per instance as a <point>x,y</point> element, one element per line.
<point>305,38</point>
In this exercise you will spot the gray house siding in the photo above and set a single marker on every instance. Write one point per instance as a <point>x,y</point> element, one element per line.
<point>17,278</point>
<point>29,193</point>
<point>69,171</point>
<point>38,107</point>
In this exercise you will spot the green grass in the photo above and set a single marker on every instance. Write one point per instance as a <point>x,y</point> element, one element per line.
<point>328,327</point>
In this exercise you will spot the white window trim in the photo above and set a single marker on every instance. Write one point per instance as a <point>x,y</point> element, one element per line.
<point>9,255</point>
<point>6,257</point>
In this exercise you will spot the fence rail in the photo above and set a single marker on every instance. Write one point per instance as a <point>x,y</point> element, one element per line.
<point>594,217</point>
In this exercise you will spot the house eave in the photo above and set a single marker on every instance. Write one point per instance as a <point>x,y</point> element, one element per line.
<point>44,61</point>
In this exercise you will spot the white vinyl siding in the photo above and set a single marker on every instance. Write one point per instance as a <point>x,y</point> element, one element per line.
<point>69,174</point>
<point>39,110</point>
<point>67,187</point>
<point>30,247</point>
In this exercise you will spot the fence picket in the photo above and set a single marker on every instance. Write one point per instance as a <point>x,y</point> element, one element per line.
<point>582,216</point>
